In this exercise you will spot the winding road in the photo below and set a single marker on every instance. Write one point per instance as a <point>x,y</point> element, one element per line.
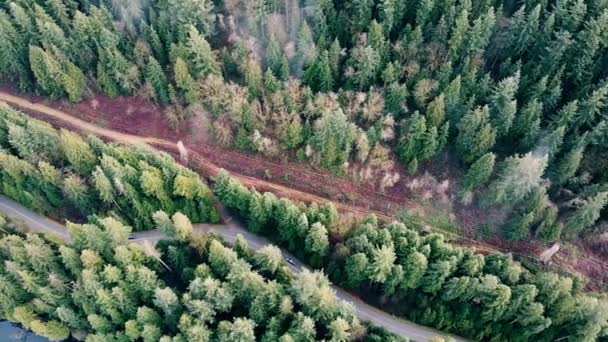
<point>229,231</point>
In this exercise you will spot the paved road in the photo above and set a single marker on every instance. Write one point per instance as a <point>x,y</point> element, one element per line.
<point>229,231</point>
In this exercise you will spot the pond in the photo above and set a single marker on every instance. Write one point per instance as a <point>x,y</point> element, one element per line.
<point>10,332</point>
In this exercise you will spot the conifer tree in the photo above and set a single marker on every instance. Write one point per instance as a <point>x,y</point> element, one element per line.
<point>459,34</point>
<point>48,72</point>
<point>275,57</point>
<point>587,213</point>
<point>185,82</point>
<point>395,98</point>
<point>480,171</point>
<point>74,82</point>
<point>201,58</point>
<point>592,106</point>
<point>476,136</point>
<point>366,63</point>
<point>519,227</point>
<point>435,112</point>
<point>155,76</point>
<point>333,138</point>
<point>518,176</point>
<point>361,14</point>
<point>319,75</point>
<point>418,142</point>
<point>504,105</point>
<point>526,126</point>
<point>566,167</point>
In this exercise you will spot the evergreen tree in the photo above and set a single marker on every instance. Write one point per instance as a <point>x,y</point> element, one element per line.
<point>366,64</point>
<point>47,71</point>
<point>361,14</point>
<point>333,138</point>
<point>480,171</point>
<point>526,126</point>
<point>74,82</point>
<point>476,136</point>
<point>396,96</point>
<point>275,57</point>
<point>185,82</point>
<point>78,153</point>
<point>201,58</point>
<point>566,167</point>
<point>587,213</point>
<point>518,176</point>
<point>504,105</point>
<point>319,75</point>
<point>435,112</point>
<point>317,243</point>
<point>155,76</point>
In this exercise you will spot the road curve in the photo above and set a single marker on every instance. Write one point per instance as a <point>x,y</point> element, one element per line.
<point>229,232</point>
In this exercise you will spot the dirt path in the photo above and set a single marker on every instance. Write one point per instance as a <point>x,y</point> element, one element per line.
<point>200,155</point>
<point>63,119</point>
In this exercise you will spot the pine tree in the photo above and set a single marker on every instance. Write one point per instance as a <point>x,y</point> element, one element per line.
<point>254,78</point>
<point>387,15</point>
<point>48,72</point>
<point>78,153</point>
<point>367,64</point>
<point>504,105</point>
<point>518,176</point>
<point>587,213</point>
<point>480,171</point>
<point>381,265</point>
<point>566,115</point>
<point>319,75</point>
<point>479,35</point>
<point>423,12</point>
<point>435,112</point>
<point>360,14</point>
<point>459,34</point>
<point>519,227</point>
<point>74,82</point>
<point>453,100</point>
<point>13,56</point>
<point>271,83</point>
<point>317,243</point>
<point>196,13</point>
<point>418,142</point>
<point>333,138</point>
<point>566,167</point>
<point>549,229</point>
<point>201,58</point>
<point>335,58</point>
<point>526,126</point>
<point>553,141</point>
<point>185,82</point>
<point>396,98</point>
<point>274,56</point>
<point>378,42</point>
<point>155,76</point>
<point>476,136</point>
<point>306,49</point>
<point>592,106</point>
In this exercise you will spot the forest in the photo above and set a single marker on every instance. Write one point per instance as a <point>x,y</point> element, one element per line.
<point>106,289</point>
<point>424,277</point>
<point>508,97</point>
<point>514,90</point>
<point>59,173</point>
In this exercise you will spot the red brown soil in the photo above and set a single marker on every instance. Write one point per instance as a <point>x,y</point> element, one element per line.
<point>139,120</point>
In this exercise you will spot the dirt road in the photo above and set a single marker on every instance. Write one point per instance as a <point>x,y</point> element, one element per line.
<point>588,265</point>
<point>229,232</point>
<point>209,169</point>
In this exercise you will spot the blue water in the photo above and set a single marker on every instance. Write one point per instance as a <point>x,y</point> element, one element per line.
<point>10,332</point>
